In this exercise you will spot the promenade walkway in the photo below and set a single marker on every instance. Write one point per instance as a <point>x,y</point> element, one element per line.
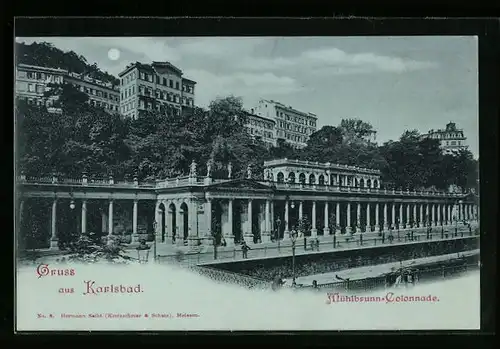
<point>205,255</point>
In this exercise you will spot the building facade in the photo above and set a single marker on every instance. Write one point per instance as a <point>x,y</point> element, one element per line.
<point>292,125</point>
<point>32,82</point>
<point>194,208</point>
<point>451,138</point>
<point>159,87</point>
<point>101,94</point>
<point>260,128</point>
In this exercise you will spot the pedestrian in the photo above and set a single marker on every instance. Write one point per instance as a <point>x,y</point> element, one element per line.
<point>305,243</point>
<point>244,249</point>
<point>317,244</point>
<point>315,285</point>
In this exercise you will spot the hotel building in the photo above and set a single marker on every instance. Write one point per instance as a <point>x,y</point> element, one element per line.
<point>260,128</point>
<point>292,125</point>
<point>451,138</point>
<point>159,86</point>
<point>33,81</point>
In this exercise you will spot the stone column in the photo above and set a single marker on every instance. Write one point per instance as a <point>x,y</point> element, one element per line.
<point>393,218</point>
<point>400,214</point>
<point>301,209</point>
<point>433,215</point>
<point>135,235</point>
<point>53,237</point>
<point>408,215</point>
<point>421,214</point>
<point>326,228</point>
<point>469,212</point>
<point>348,221</point>
<point>337,214</point>
<point>230,234</point>
<point>414,214</point>
<point>249,233</point>
<point>179,230</point>
<point>358,215</point>
<point>460,212</point>
<point>438,214</point>
<point>208,214</point>
<point>158,218</point>
<point>287,221</point>
<point>193,218</point>
<point>386,225</point>
<point>314,231</point>
<point>110,218</point>
<point>448,215</point>
<point>266,236</point>
<point>427,217</point>
<point>368,223</point>
<point>84,216</point>
<point>377,221</point>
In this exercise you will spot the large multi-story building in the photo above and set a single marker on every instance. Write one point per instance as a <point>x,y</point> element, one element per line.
<point>100,94</point>
<point>292,125</point>
<point>451,138</point>
<point>260,128</point>
<point>32,83</point>
<point>158,86</point>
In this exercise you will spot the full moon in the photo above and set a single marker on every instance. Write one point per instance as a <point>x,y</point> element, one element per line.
<point>113,54</point>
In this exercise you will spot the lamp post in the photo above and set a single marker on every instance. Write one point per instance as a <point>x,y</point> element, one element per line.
<point>293,237</point>
<point>278,226</point>
<point>155,224</point>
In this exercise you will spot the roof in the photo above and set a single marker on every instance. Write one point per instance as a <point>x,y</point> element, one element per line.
<point>259,117</point>
<point>290,108</point>
<point>189,80</point>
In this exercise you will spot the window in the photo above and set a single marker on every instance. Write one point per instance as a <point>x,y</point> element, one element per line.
<point>133,89</point>
<point>176,85</point>
<point>143,76</point>
<point>21,74</point>
<point>171,83</point>
<point>31,88</point>
<point>164,81</point>
<point>157,79</point>
<point>39,88</point>
<point>150,78</point>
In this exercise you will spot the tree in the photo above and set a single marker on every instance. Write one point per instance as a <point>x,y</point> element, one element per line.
<point>355,130</point>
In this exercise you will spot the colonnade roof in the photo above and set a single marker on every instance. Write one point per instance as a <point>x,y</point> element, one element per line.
<point>277,163</point>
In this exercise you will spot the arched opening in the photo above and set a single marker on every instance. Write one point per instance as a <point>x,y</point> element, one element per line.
<point>375,183</point>
<point>356,182</point>
<point>162,221</point>
<point>173,220</point>
<point>302,178</point>
<point>362,183</point>
<point>321,180</point>
<point>312,179</point>
<point>369,183</point>
<point>185,221</point>
<point>281,177</point>
<point>291,177</point>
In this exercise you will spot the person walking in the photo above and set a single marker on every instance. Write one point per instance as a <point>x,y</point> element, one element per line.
<point>244,249</point>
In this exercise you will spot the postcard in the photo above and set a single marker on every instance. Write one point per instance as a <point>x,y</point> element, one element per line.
<point>247,183</point>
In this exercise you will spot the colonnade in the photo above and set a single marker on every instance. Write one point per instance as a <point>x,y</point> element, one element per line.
<point>376,214</point>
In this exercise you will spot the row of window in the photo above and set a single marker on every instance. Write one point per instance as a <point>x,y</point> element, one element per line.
<point>295,138</point>
<point>159,107</point>
<point>35,88</point>
<point>261,124</point>
<point>295,128</point>
<point>40,76</point>
<point>453,143</point>
<point>257,132</point>
<point>98,93</point>
<point>105,105</point>
<point>157,79</point>
<point>296,119</point>
<point>447,135</point>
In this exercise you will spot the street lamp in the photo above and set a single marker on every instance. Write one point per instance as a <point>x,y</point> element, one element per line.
<point>293,237</point>
<point>278,225</point>
<point>72,204</point>
<point>155,224</point>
